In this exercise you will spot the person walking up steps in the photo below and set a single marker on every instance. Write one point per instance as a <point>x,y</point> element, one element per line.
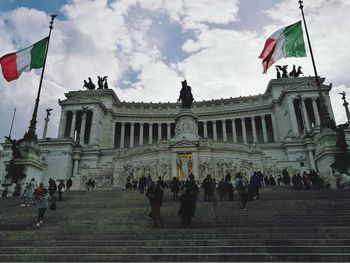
<point>242,188</point>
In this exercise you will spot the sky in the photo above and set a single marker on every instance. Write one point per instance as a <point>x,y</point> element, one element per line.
<point>147,47</point>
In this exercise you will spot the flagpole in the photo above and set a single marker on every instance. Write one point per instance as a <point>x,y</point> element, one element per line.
<point>325,120</point>
<point>13,118</point>
<point>30,136</point>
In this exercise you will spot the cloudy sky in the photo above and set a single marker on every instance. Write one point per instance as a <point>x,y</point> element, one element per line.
<point>146,47</point>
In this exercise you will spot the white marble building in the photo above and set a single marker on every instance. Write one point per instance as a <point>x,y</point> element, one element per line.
<point>269,132</point>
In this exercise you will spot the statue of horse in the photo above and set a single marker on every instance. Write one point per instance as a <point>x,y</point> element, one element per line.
<point>185,97</point>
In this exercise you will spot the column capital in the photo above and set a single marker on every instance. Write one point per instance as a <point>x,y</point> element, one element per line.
<point>314,98</point>
<point>132,123</point>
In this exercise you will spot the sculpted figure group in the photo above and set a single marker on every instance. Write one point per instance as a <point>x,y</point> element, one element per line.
<point>101,82</point>
<point>282,72</point>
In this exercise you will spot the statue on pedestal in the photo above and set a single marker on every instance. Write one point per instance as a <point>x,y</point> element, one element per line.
<point>185,97</point>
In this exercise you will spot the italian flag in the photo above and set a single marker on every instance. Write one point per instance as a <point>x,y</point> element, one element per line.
<point>286,42</point>
<point>14,64</point>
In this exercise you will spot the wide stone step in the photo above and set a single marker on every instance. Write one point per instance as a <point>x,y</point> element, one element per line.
<point>190,257</point>
<point>173,249</point>
<point>177,242</point>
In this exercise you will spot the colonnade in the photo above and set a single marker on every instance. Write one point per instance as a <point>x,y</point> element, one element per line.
<point>304,114</point>
<point>76,124</point>
<point>247,130</point>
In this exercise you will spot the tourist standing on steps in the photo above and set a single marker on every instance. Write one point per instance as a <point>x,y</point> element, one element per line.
<point>155,195</point>
<point>69,184</point>
<point>188,206</point>
<point>175,188</point>
<point>242,187</point>
<point>255,184</point>
<point>61,186</point>
<point>142,184</point>
<point>28,193</point>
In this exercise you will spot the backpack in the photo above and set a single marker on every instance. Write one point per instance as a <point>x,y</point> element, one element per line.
<point>242,187</point>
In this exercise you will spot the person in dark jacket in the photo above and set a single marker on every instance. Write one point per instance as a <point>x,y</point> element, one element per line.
<point>255,184</point>
<point>175,188</point>
<point>242,187</point>
<point>155,195</point>
<point>187,208</point>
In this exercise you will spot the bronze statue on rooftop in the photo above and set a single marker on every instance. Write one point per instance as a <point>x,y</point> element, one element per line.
<point>186,96</point>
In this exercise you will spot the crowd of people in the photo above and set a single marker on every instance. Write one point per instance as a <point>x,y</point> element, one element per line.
<point>185,192</point>
<point>42,197</point>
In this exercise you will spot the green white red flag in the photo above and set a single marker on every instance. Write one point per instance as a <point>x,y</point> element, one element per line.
<point>32,57</point>
<point>285,42</point>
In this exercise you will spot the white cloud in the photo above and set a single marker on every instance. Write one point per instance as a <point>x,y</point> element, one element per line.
<point>115,37</point>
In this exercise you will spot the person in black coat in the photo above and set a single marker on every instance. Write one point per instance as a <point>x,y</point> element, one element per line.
<point>188,206</point>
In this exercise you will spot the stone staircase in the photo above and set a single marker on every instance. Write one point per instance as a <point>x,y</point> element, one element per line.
<point>106,226</point>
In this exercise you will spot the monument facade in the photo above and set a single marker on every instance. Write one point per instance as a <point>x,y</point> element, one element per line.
<point>105,139</point>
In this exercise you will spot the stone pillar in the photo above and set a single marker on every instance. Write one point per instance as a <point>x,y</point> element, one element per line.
<point>113,135</point>
<point>346,106</point>
<point>72,127</point>
<point>244,131</point>
<point>82,128</point>
<point>141,134</point>
<point>317,116</point>
<point>159,131</point>
<point>263,124</point>
<point>255,138</point>
<point>205,129</point>
<point>45,127</point>
<point>327,101</point>
<point>168,130</point>
<point>305,116</point>
<point>234,132</point>
<point>224,132</point>
<point>215,134</point>
<point>150,133</point>
<point>293,117</point>
<point>311,160</point>
<point>122,135</point>
<point>274,128</point>
<point>76,167</point>
<point>132,127</point>
<point>62,127</point>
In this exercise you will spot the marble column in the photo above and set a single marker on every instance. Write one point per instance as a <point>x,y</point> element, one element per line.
<point>82,128</point>
<point>113,135</point>
<point>45,127</point>
<point>159,131</point>
<point>141,134</point>
<point>72,127</point>
<point>263,124</point>
<point>305,116</point>
<point>168,130</point>
<point>311,160</point>
<point>150,133</point>
<point>293,117</point>
<point>215,133</point>
<point>234,132</point>
<point>317,116</point>
<point>244,131</point>
<point>122,135</point>
<point>274,127</point>
<point>224,132</point>
<point>62,127</point>
<point>205,129</point>
<point>132,131</point>
<point>255,138</point>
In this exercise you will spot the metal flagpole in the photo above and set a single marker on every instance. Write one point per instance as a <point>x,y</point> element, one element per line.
<point>13,118</point>
<point>325,120</point>
<point>30,136</point>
